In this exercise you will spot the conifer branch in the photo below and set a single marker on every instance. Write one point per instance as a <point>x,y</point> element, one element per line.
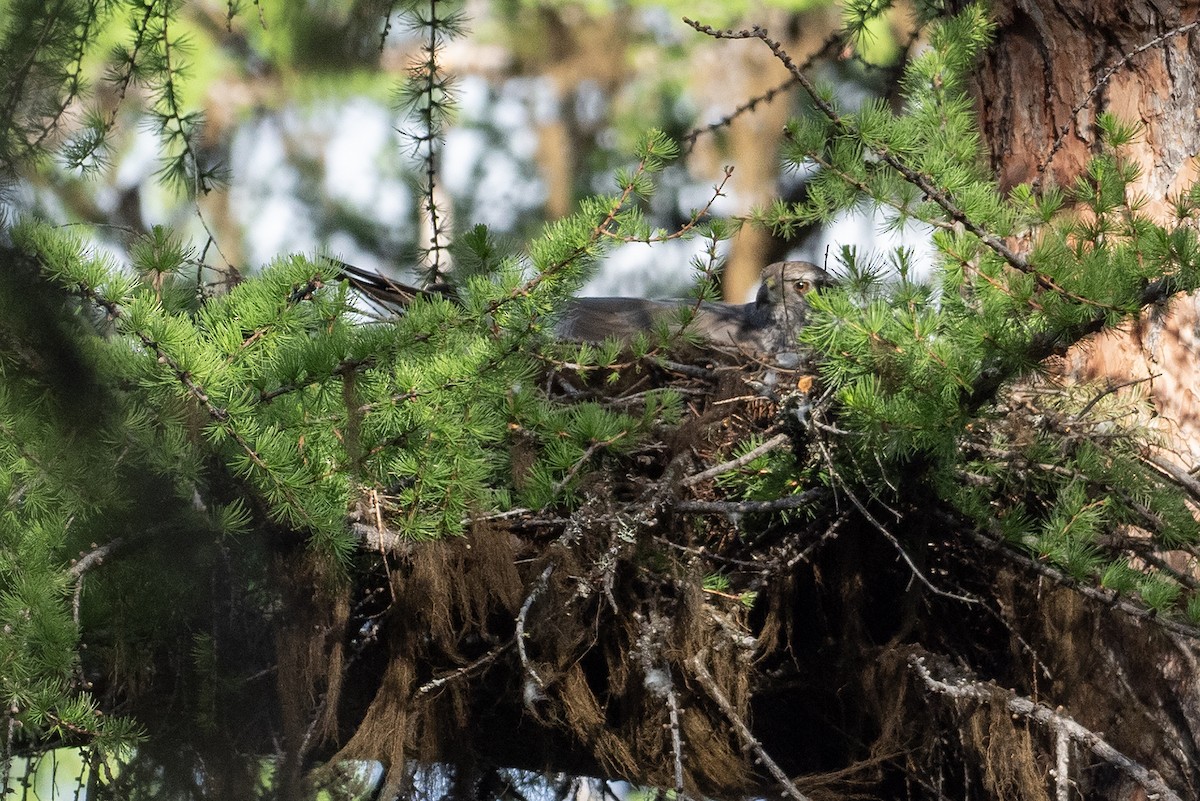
<point>1110,388</point>
<point>15,86</point>
<point>130,59</point>
<point>997,370</point>
<point>687,227</point>
<point>201,396</point>
<point>174,125</point>
<point>598,231</point>
<point>1108,598</point>
<point>429,98</point>
<point>1175,474</point>
<point>915,177</point>
<point>74,78</point>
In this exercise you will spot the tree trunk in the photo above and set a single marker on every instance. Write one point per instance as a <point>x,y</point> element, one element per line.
<point>1054,68</point>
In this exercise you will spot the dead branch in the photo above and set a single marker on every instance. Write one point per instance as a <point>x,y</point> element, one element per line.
<point>1176,474</point>
<point>656,672</point>
<point>676,737</point>
<point>747,737</point>
<point>442,681</point>
<point>522,616</point>
<point>94,557</point>
<point>733,464</point>
<point>986,692</point>
<point>754,507</point>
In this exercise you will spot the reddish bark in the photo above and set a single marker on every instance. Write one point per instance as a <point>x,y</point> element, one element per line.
<point>1056,65</point>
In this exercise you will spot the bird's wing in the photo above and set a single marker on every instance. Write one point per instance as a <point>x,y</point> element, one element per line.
<point>597,319</point>
<point>394,296</point>
<point>727,324</point>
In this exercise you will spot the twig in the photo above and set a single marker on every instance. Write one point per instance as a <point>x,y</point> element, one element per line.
<point>687,369</point>
<point>703,553</point>
<point>741,461</point>
<point>748,739</point>
<point>754,507</point>
<point>94,557</point>
<point>587,455</point>
<point>900,548</point>
<point>915,177</point>
<point>1150,780</point>
<point>830,533</point>
<point>441,681</point>
<point>689,140</point>
<point>429,109</point>
<point>683,230</point>
<point>1109,389</point>
<point>497,516</point>
<point>522,616</point>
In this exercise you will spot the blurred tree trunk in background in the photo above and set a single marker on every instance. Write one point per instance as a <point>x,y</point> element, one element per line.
<point>575,49</point>
<point>751,143</point>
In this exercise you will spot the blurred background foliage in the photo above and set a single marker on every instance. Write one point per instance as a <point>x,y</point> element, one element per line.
<point>296,116</point>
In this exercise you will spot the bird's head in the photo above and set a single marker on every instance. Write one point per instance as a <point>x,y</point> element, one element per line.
<point>786,282</point>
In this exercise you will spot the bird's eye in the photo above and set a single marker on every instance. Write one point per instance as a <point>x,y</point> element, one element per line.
<point>801,287</point>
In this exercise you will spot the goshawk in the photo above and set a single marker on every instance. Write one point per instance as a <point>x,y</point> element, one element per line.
<point>765,329</point>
